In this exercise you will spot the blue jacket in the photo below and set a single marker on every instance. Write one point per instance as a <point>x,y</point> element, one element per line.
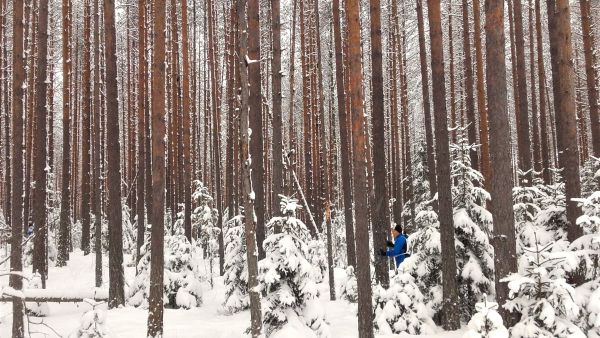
<point>399,249</point>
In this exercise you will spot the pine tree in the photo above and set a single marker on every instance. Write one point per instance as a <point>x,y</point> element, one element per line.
<point>236,269</point>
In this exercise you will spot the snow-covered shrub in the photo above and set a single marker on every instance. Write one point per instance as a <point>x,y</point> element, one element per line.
<point>348,286</point>
<point>526,202</point>
<point>236,269</point>
<point>92,324</point>
<point>288,278</point>
<point>544,299</point>
<point>553,215</point>
<point>317,256</point>
<point>472,223</point>
<point>204,215</point>
<point>486,322</point>
<point>35,308</point>
<point>401,308</point>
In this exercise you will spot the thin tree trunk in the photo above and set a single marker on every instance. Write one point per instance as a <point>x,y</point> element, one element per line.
<point>85,138</point>
<point>449,284</point>
<point>537,162</point>
<point>591,72</point>
<point>276,76</point>
<point>344,136</point>
<point>545,149</point>
<point>426,101</point>
<point>97,145</point>
<point>141,115</point>
<point>486,170</point>
<point>469,83</point>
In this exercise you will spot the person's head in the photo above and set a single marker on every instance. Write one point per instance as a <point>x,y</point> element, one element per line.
<point>396,230</point>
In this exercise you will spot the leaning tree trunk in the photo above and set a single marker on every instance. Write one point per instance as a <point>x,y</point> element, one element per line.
<point>116,290</point>
<point>449,284</point>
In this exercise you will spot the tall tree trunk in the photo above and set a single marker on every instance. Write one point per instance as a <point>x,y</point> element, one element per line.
<point>39,169</point>
<point>359,124</point>
<point>591,72</point>
<point>249,216</point>
<point>564,105</point>
<point>141,115</point>
<point>449,284</point>
<point>277,97</point>
<point>523,140</point>
<point>486,170</point>
<point>65,204</point>
<point>537,163</point>
<point>502,182</point>
<point>97,145</point>
<point>85,121</point>
<point>426,101</point>
<point>545,148</point>
<point>344,136</point>
<point>155,301</point>
<point>116,291</point>
<point>469,82</point>
<point>381,216</point>
<point>256,118</point>
<point>16,217</point>
<point>187,179</point>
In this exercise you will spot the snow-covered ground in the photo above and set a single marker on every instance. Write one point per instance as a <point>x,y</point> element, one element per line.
<point>130,322</point>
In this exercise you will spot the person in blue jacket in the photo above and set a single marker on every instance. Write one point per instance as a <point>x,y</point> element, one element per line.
<point>398,247</point>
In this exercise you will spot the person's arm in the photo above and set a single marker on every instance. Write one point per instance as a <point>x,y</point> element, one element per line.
<point>400,240</point>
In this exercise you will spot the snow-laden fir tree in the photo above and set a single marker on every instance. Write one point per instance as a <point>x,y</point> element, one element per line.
<point>401,308</point>
<point>587,248</point>
<point>543,298</point>
<point>424,263</point>
<point>92,324</point>
<point>552,217</point>
<point>182,278</point>
<point>348,287</point>
<point>421,191</point>
<point>236,269</point>
<point>472,223</point>
<point>288,278</point>
<point>204,224</point>
<point>590,176</point>
<point>486,322</point>
<point>338,232</point>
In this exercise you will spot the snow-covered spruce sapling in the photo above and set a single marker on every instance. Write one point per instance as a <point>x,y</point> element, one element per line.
<point>420,185</point>
<point>182,287</point>
<point>473,223</point>
<point>348,286</point>
<point>543,298</point>
<point>182,278</point>
<point>236,269</point>
<point>486,322</point>
<point>588,245</point>
<point>424,264</point>
<point>92,324</point>
<point>288,278</point>
<point>401,308</point>
<point>590,176</point>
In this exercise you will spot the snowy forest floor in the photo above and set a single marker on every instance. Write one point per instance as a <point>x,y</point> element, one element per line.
<point>130,322</point>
